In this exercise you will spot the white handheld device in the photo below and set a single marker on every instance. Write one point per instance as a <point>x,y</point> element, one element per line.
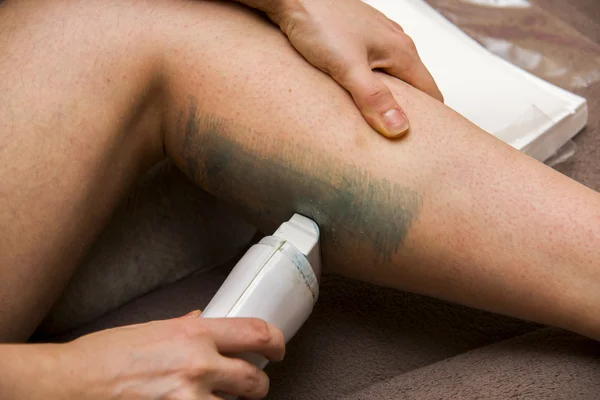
<point>277,280</point>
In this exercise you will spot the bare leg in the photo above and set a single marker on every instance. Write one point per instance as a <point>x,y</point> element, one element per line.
<point>78,124</point>
<point>449,211</point>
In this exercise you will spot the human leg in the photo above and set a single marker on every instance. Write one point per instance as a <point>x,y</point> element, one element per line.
<point>253,123</point>
<point>449,211</point>
<point>78,94</point>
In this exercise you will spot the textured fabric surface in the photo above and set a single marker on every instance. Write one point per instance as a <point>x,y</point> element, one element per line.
<point>547,364</point>
<point>364,342</point>
<point>166,229</point>
<point>358,334</point>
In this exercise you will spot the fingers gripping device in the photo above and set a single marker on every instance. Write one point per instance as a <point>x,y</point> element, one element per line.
<point>277,280</point>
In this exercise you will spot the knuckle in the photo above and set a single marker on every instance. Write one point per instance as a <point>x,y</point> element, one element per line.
<point>376,95</point>
<point>199,366</point>
<point>287,25</point>
<point>181,328</point>
<point>397,26</point>
<point>407,58</point>
<point>192,329</point>
<point>408,44</point>
<point>261,332</point>
<point>255,381</point>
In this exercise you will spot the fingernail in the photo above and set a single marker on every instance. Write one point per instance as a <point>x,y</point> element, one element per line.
<point>395,121</point>
<point>194,314</point>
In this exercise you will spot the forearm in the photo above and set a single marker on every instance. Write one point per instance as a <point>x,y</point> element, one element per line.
<point>448,211</point>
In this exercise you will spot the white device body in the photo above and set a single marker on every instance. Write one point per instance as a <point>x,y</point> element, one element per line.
<point>277,280</point>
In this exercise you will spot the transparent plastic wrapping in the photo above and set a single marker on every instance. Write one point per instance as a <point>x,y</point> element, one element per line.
<point>528,36</point>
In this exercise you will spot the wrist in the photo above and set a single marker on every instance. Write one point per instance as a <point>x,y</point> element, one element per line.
<point>31,371</point>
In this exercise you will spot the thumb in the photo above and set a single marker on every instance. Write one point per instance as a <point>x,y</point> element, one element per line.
<point>375,101</point>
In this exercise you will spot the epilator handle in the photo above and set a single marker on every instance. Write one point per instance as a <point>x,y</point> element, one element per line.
<point>277,280</point>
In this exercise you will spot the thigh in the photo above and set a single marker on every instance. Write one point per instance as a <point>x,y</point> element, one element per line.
<point>78,125</point>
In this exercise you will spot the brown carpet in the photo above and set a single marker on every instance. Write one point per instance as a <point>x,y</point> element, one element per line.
<point>364,342</point>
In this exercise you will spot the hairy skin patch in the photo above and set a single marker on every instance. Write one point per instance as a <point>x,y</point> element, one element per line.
<point>355,210</point>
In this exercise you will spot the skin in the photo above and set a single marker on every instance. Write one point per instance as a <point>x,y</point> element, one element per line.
<point>448,211</point>
<point>348,39</point>
<point>470,219</point>
<point>181,358</point>
<point>341,213</point>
